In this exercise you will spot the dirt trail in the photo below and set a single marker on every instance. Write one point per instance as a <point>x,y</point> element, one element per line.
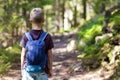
<point>63,60</point>
<point>62,63</point>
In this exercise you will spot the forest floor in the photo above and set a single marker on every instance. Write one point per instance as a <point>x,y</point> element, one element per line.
<point>62,64</point>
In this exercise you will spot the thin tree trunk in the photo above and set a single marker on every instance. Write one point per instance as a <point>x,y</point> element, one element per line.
<point>24,13</point>
<point>57,14</point>
<point>84,9</point>
<point>63,10</point>
<point>75,15</point>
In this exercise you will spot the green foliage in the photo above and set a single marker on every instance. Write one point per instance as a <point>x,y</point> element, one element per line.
<point>106,51</point>
<point>91,52</point>
<point>115,19</point>
<point>14,53</point>
<point>4,67</point>
<point>90,56</point>
<point>96,53</point>
<point>7,57</point>
<point>98,5</point>
<point>13,13</point>
<point>114,22</point>
<point>90,30</point>
<point>4,61</point>
<point>87,36</point>
<point>103,41</point>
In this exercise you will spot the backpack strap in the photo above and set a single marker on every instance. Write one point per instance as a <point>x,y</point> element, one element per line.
<point>43,36</point>
<point>29,37</point>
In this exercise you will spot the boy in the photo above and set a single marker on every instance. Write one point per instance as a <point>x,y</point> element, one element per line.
<point>36,19</point>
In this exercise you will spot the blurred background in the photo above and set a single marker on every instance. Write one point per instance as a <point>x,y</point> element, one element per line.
<point>91,18</point>
<point>60,15</point>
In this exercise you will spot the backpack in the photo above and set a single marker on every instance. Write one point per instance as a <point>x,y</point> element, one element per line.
<point>36,58</point>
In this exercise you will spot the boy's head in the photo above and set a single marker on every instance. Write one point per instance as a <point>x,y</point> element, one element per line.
<point>37,15</point>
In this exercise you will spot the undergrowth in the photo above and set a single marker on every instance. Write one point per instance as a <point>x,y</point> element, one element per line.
<point>95,55</point>
<point>8,56</point>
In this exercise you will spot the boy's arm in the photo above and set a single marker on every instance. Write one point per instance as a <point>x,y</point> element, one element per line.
<point>50,61</point>
<point>23,57</point>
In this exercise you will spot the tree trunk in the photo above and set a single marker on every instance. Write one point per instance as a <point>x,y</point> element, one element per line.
<point>24,13</point>
<point>57,14</point>
<point>75,15</point>
<point>84,9</point>
<point>63,11</point>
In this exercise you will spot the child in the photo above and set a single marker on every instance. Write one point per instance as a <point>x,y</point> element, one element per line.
<point>39,71</point>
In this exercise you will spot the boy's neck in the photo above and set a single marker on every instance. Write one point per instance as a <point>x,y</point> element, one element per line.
<point>36,26</point>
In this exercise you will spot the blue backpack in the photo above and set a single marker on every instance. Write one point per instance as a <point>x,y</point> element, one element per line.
<point>36,58</point>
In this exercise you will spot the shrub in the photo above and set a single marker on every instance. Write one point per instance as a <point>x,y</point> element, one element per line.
<point>7,57</point>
